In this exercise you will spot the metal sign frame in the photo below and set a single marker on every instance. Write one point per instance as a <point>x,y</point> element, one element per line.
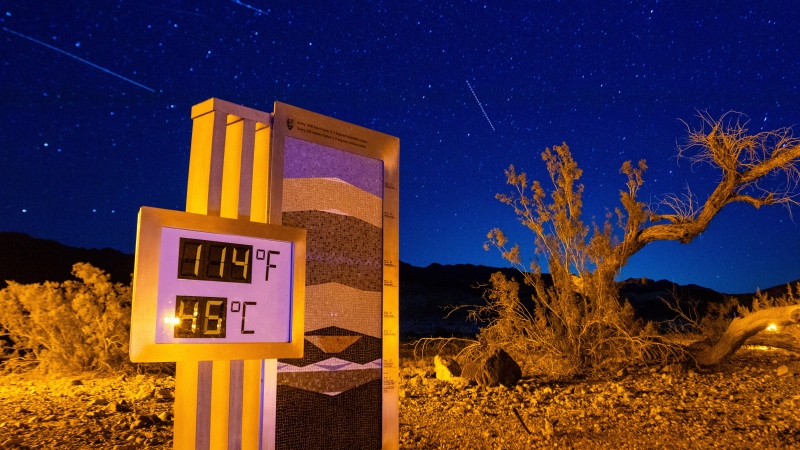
<point>236,171</point>
<point>293,122</point>
<point>146,278</point>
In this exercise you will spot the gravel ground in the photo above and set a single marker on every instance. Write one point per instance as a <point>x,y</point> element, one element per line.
<point>744,405</point>
<point>86,411</point>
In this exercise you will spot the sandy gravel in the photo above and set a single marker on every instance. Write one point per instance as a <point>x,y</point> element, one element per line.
<point>744,405</point>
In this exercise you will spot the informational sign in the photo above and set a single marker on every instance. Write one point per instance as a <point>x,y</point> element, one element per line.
<point>211,288</point>
<point>340,182</point>
<point>277,291</point>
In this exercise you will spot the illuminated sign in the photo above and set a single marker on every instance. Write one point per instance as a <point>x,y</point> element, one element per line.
<point>211,288</point>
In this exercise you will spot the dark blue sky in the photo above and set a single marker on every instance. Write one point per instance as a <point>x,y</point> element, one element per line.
<point>90,136</point>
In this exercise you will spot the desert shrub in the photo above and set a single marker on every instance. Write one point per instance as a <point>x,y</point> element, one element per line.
<point>563,335</point>
<point>718,317</point>
<point>578,324</point>
<point>77,325</point>
<point>579,321</point>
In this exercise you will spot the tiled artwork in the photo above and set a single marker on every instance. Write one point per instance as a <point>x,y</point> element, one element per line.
<point>340,249</point>
<point>334,196</point>
<point>344,421</point>
<point>332,397</point>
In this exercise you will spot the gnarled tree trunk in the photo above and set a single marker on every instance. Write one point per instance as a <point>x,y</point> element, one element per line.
<point>786,341</point>
<point>740,330</point>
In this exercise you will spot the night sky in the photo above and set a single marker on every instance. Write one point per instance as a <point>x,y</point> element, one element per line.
<point>95,100</point>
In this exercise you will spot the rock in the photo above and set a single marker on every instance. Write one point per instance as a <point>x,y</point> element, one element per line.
<point>117,407</point>
<point>139,424</point>
<point>446,368</point>
<point>145,393</point>
<point>460,382</point>
<point>11,443</point>
<point>673,368</point>
<point>783,370</point>
<point>492,369</point>
<point>164,394</point>
<point>76,383</point>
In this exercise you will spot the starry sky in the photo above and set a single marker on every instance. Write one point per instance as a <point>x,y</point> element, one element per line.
<point>95,100</point>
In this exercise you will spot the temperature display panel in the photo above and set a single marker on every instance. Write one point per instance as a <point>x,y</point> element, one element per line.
<point>214,261</point>
<point>211,288</point>
<point>209,281</point>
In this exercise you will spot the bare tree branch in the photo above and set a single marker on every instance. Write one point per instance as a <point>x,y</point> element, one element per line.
<point>759,169</point>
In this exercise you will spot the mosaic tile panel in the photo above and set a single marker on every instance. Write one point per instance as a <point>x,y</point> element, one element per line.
<point>333,363</point>
<point>328,382</point>
<point>362,351</point>
<point>340,249</point>
<point>332,195</point>
<point>334,304</point>
<point>310,420</point>
<point>332,397</point>
<point>333,344</point>
<point>309,160</point>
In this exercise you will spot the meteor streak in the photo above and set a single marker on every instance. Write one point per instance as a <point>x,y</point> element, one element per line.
<point>77,57</point>
<point>251,7</point>
<point>479,104</point>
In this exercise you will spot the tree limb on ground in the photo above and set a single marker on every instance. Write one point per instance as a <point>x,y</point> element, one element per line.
<point>785,341</point>
<point>740,330</point>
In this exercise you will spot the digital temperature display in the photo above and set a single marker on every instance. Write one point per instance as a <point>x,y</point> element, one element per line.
<point>210,280</point>
<point>200,317</point>
<point>211,288</point>
<point>214,261</point>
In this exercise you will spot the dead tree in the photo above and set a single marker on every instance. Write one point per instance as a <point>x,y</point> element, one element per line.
<point>757,169</point>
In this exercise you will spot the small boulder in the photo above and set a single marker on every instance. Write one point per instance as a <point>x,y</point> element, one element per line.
<point>446,368</point>
<point>145,393</point>
<point>494,368</point>
<point>98,402</point>
<point>164,394</point>
<point>783,370</point>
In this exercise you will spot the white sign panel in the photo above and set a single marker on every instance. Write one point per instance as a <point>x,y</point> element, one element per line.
<point>218,288</point>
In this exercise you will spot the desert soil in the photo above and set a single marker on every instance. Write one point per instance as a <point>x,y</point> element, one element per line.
<point>745,404</point>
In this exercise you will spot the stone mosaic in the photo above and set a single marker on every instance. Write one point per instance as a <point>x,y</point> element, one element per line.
<point>331,398</point>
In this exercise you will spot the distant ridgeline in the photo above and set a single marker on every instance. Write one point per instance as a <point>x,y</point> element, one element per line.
<point>425,292</point>
<point>26,260</point>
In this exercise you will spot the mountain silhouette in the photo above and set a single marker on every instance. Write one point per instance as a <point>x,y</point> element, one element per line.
<point>427,294</point>
<point>26,260</point>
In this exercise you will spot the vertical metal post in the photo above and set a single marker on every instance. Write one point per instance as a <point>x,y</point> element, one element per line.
<point>228,177</point>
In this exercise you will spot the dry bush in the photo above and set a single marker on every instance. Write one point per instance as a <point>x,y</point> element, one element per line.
<point>70,326</point>
<point>578,324</point>
<point>565,335</point>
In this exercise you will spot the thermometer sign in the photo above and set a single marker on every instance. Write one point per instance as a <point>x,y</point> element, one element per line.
<point>206,279</point>
<point>217,282</point>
